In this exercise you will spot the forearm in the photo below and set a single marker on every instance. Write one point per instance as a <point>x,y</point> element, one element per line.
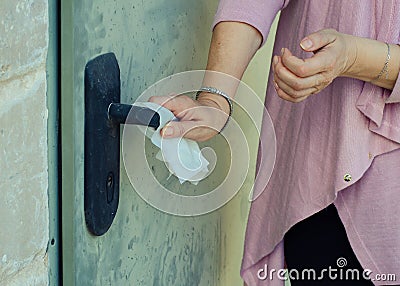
<point>369,59</point>
<point>233,45</point>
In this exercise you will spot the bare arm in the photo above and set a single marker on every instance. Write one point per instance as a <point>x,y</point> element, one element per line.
<point>232,47</point>
<point>369,60</point>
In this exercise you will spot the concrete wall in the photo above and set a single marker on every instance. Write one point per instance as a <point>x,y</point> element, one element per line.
<point>24,211</point>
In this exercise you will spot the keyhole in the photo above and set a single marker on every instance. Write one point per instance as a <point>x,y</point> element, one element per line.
<point>110,187</point>
<point>109,181</point>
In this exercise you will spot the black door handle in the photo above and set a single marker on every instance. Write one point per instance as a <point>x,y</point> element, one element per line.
<point>103,115</point>
<point>118,112</point>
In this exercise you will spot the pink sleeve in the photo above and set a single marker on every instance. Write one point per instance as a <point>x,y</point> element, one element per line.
<point>258,13</point>
<point>384,117</point>
<point>380,105</point>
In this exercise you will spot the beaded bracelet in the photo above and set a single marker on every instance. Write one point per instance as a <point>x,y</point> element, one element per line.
<point>216,91</point>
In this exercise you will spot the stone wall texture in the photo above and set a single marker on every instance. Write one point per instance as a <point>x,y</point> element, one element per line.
<point>24,214</point>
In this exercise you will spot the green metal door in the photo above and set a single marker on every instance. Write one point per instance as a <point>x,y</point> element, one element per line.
<point>144,246</point>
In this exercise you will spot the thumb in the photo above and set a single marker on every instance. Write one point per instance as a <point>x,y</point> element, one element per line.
<point>318,40</point>
<point>177,128</point>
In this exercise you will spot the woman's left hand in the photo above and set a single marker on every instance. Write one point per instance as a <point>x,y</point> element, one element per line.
<point>295,79</point>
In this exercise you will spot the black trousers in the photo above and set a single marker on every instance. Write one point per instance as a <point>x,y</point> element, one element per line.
<point>320,243</point>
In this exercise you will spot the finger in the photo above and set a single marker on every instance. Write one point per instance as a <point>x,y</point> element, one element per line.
<point>320,62</point>
<point>275,62</point>
<point>196,117</point>
<point>287,97</point>
<point>177,128</point>
<point>291,79</point>
<point>293,92</point>
<point>188,129</point>
<point>298,83</point>
<point>317,40</point>
<point>160,100</point>
<point>176,104</point>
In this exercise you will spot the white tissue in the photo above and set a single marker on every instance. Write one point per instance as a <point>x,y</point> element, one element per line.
<point>182,156</point>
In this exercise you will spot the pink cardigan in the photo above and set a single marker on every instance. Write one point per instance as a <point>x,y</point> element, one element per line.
<point>351,127</point>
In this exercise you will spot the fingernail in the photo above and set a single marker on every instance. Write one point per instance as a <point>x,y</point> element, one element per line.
<point>306,44</point>
<point>282,51</point>
<point>167,131</point>
<point>276,85</point>
<point>275,60</point>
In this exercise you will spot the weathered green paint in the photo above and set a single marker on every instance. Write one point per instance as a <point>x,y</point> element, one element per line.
<point>67,143</point>
<point>53,144</point>
<point>151,39</point>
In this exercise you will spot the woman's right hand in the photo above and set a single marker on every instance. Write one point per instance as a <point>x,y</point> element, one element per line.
<point>199,120</point>
<point>233,45</point>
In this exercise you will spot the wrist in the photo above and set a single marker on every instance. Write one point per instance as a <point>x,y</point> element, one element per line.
<point>351,67</point>
<point>219,100</point>
<point>214,100</point>
<point>374,62</point>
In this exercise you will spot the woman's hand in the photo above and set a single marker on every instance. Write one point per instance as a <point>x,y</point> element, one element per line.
<point>295,79</point>
<point>199,120</point>
<point>233,44</point>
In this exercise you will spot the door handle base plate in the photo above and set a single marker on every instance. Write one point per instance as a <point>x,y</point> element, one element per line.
<point>102,143</point>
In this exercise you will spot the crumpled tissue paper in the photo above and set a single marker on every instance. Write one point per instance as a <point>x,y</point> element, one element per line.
<point>182,156</point>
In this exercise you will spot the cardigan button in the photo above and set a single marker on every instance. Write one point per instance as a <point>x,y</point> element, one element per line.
<point>347,178</point>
